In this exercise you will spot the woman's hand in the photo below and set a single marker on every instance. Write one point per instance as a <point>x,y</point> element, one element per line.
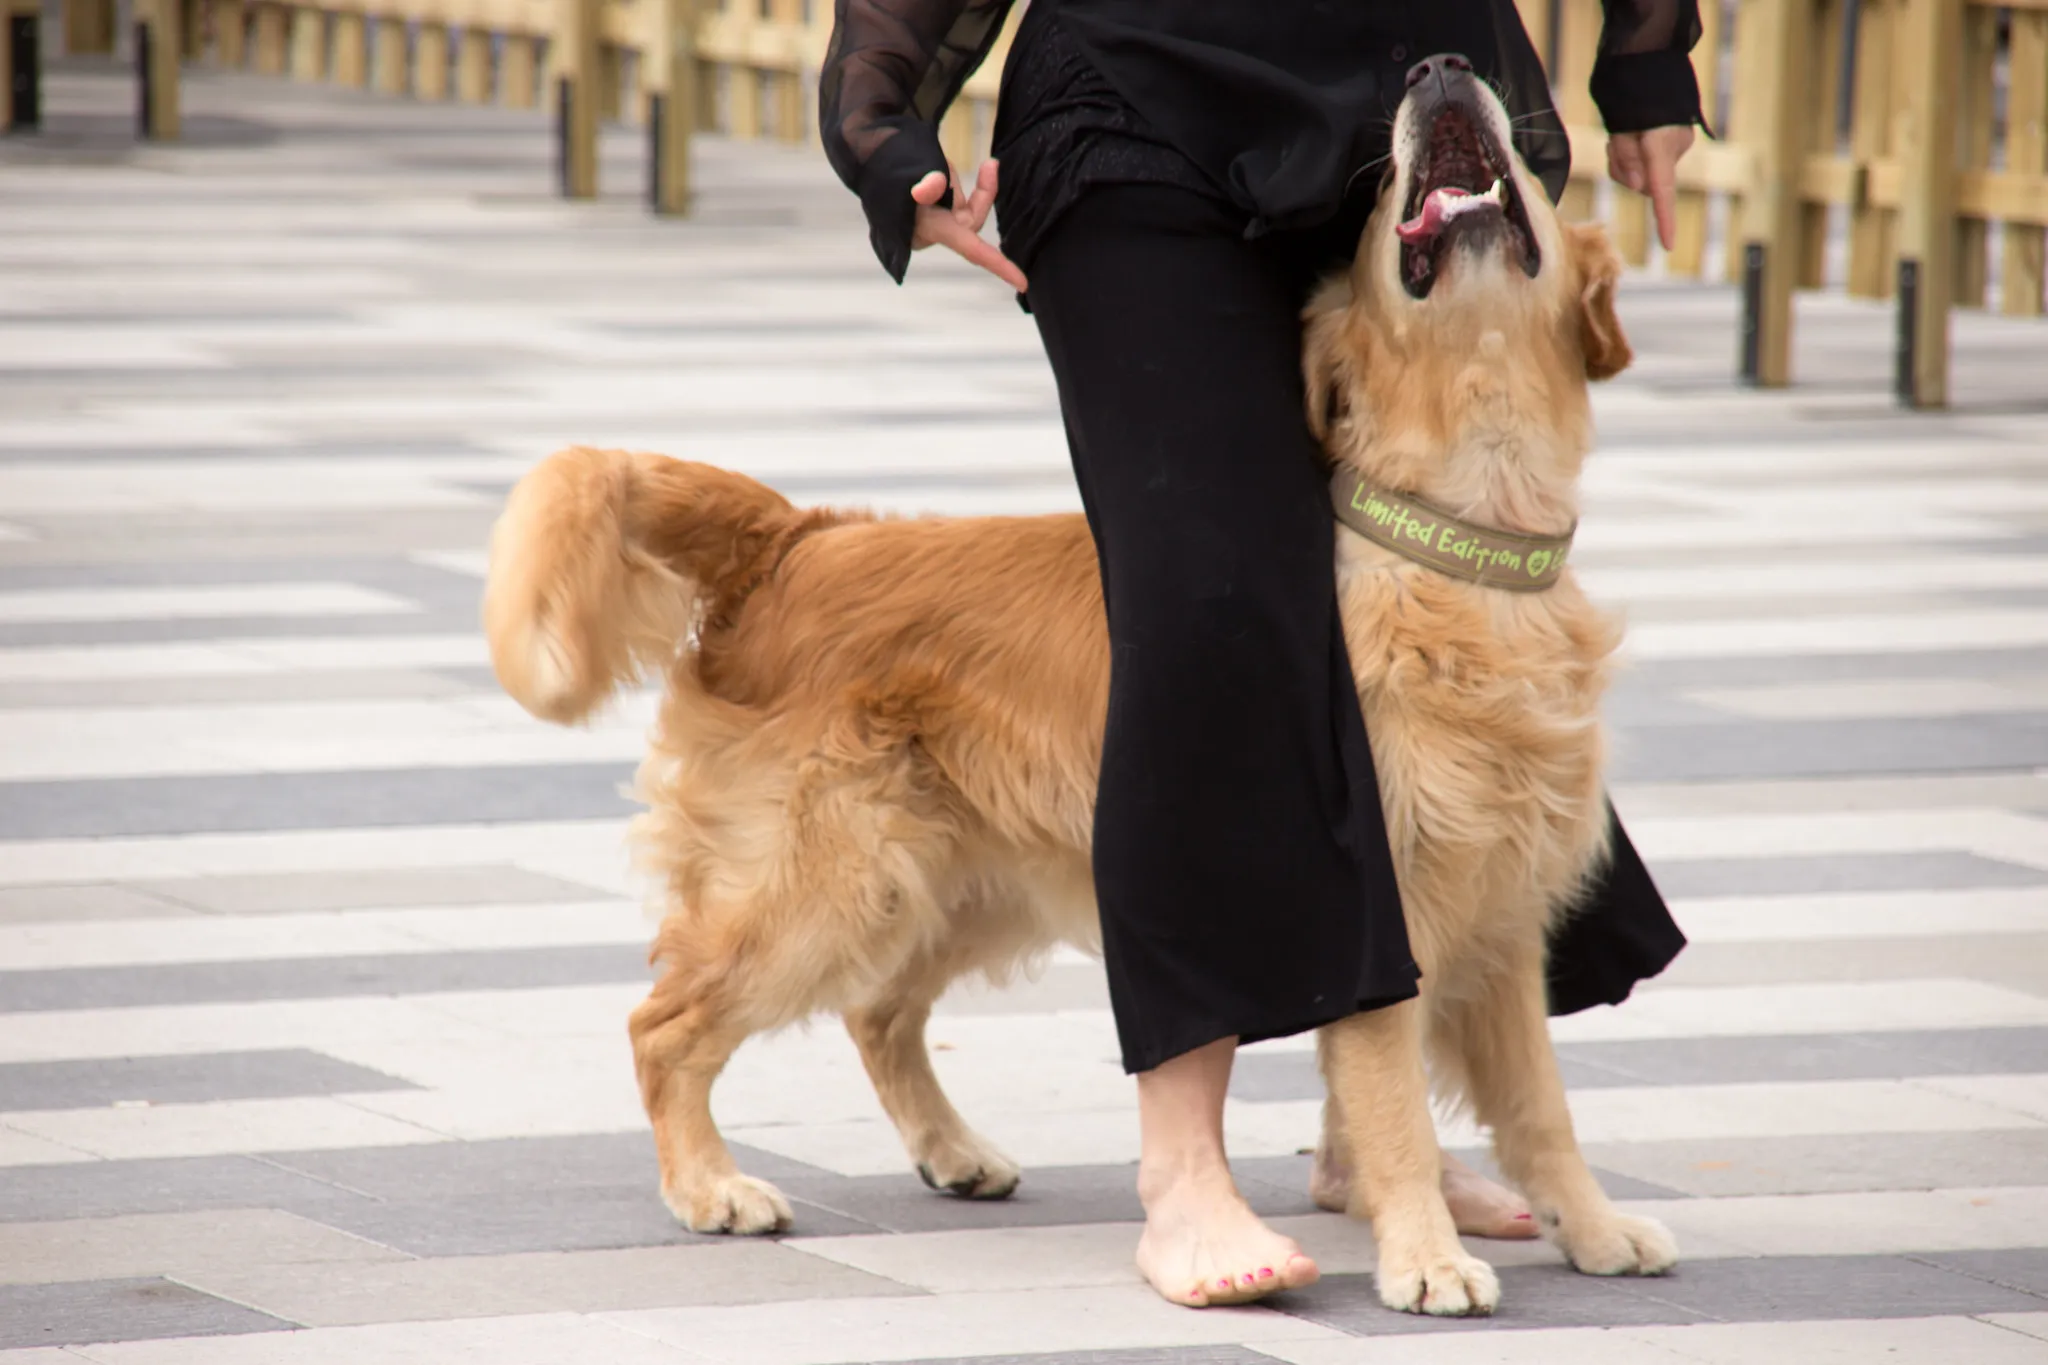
<point>959,227</point>
<point>1647,162</point>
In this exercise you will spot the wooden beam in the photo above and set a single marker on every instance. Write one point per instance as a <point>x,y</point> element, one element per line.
<point>309,44</point>
<point>394,57</point>
<point>351,49</point>
<point>88,26</point>
<point>230,33</point>
<point>671,72</point>
<point>519,72</point>
<point>1870,140</point>
<point>473,66</point>
<point>577,97</point>
<point>163,48</point>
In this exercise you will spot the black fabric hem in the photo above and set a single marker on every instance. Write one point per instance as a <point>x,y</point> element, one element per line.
<point>885,184</point>
<point>1647,90</point>
<point>1186,1040</point>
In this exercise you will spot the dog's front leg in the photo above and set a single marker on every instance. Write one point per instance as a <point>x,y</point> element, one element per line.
<point>1372,1063</point>
<point>1503,1036</point>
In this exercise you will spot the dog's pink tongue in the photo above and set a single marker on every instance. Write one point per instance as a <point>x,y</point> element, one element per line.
<point>1424,226</point>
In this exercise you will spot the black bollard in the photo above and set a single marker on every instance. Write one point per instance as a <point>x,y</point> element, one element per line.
<point>25,81</point>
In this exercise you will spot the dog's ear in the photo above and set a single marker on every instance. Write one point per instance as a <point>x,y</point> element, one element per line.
<point>1599,269</point>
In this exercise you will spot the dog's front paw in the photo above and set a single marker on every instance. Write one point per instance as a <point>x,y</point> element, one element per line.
<point>730,1203</point>
<point>1450,1284</point>
<point>970,1168</point>
<point>1618,1245</point>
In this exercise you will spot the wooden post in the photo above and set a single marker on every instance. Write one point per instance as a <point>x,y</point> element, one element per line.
<point>473,67</point>
<point>309,44</point>
<point>1974,114</point>
<point>1572,68</point>
<point>271,39</point>
<point>393,74</point>
<point>1870,140</point>
<point>669,69</point>
<point>1774,69</point>
<point>519,72</point>
<point>788,16</point>
<point>88,26</point>
<point>158,50</point>
<point>743,82</point>
<point>1825,28</point>
<point>191,29</point>
<point>1688,256</point>
<point>1930,40</point>
<point>430,62</point>
<point>351,49</point>
<point>230,33</point>
<point>2026,152</point>
<point>576,40</point>
<point>611,82</point>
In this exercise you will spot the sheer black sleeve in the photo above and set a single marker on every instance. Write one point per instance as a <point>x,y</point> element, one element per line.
<point>891,69</point>
<point>1643,77</point>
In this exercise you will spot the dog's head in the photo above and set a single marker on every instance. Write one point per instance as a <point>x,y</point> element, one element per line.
<point>1470,302</point>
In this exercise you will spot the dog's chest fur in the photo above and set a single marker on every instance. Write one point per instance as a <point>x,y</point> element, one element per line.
<point>1483,711</point>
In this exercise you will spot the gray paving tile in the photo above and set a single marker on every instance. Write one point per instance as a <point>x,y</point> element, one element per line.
<point>1841,1163</point>
<point>1756,1289</point>
<point>184,1079</point>
<point>1719,1061</point>
<point>1678,675</point>
<point>106,1189</point>
<point>320,978</point>
<point>369,888</point>
<point>170,630</point>
<point>1807,748</point>
<point>241,803</point>
<point>119,1310</point>
<point>507,1167</point>
<point>2023,1268</point>
<point>1688,878</point>
<point>83,901</point>
<point>727,1271</point>
<point>592,1217</point>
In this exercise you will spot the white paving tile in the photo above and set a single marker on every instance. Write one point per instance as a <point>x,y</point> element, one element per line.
<point>1806,1007</point>
<point>1873,1223</point>
<point>218,1127</point>
<point>1789,577</point>
<point>107,943</point>
<point>828,1332</point>
<point>176,604</point>
<point>240,657</point>
<point>124,488</point>
<point>1866,914</point>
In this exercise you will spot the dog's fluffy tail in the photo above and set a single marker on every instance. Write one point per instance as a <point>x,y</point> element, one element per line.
<point>604,560</point>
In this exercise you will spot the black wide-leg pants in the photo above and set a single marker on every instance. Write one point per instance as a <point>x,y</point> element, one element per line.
<point>1241,860</point>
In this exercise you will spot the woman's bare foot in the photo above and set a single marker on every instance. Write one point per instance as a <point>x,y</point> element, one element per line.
<point>1479,1207</point>
<point>1482,1208</point>
<point>1202,1244</point>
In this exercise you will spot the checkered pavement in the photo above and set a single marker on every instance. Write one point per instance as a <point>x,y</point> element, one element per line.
<point>315,952</point>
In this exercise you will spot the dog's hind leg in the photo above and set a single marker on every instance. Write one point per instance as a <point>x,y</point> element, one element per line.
<point>1374,1061</point>
<point>1499,1035</point>
<point>947,1153</point>
<point>683,1035</point>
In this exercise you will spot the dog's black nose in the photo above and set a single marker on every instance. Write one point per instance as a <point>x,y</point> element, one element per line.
<point>1430,66</point>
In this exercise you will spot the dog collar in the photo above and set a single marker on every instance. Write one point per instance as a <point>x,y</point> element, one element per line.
<point>1434,538</point>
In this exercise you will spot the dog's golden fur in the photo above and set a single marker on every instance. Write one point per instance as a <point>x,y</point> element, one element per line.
<point>875,766</point>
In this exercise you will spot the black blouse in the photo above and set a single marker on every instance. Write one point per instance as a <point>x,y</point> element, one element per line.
<point>1278,104</point>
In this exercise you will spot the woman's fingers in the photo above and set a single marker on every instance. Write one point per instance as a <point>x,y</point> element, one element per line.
<point>984,196</point>
<point>970,247</point>
<point>931,189</point>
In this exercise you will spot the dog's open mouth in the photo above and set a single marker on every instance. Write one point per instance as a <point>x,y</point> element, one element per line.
<point>1462,188</point>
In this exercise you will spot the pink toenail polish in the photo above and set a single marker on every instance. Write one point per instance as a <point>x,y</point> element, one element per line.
<point>1223,1284</point>
<point>1265,1272</point>
<point>1524,1217</point>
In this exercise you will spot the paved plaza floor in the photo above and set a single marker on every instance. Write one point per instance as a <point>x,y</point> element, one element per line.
<point>315,951</point>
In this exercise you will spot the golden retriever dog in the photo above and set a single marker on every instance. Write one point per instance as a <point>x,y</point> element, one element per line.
<point>874,771</point>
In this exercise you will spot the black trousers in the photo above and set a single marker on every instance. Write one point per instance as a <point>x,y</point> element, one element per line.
<point>1241,859</point>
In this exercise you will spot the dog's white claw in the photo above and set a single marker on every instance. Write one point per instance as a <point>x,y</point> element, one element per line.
<point>734,1203</point>
<point>1452,1286</point>
<point>1621,1245</point>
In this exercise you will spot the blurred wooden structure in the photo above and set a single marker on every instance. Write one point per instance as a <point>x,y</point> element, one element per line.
<point>1913,131</point>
